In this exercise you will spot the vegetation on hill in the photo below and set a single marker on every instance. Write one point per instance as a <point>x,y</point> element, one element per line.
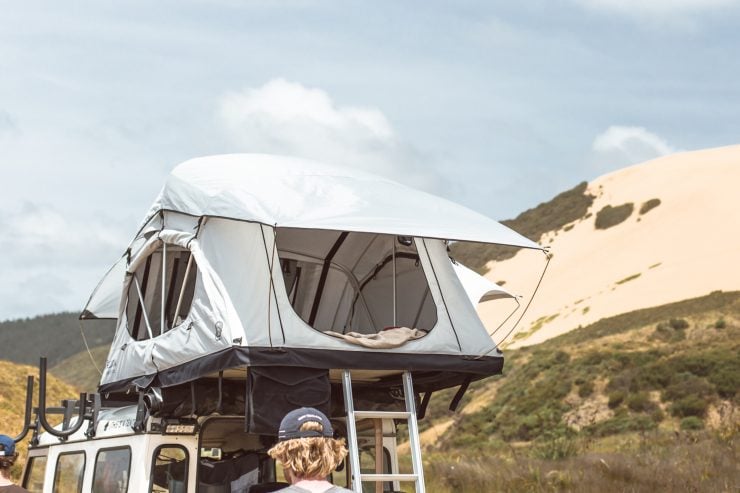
<point>56,336</point>
<point>13,401</point>
<point>567,207</point>
<point>649,205</point>
<point>645,400</point>
<point>80,371</point>
<point>610,216</point>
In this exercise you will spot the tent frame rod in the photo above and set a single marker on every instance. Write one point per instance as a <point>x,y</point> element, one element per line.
<point>143,306</point>
<point>393,241</point>
<point>164,288</point>
<point>182,289</point>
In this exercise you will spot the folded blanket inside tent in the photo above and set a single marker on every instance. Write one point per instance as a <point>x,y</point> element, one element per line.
<point>391,337</point>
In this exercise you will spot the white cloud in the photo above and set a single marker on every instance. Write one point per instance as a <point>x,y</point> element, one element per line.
<point>683,15</point>
<point>8,125</point>
<point>635,143</point>
<point>284,117</point>
<point>656,7</point>
<point>51,262</point>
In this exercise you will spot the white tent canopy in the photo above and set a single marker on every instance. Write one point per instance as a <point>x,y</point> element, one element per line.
<point>265,261</point>
<point>294,193</point>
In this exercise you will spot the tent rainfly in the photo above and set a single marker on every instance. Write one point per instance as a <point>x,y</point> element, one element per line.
<point>258,260</point>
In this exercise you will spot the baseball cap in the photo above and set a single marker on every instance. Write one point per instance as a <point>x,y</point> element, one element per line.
<point>290,426</point>
<point>7,446</point>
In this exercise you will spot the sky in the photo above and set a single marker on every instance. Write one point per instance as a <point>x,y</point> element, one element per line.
<point>497,105</point>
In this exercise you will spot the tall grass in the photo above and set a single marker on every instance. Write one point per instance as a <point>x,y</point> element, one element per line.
<point>650,462</point>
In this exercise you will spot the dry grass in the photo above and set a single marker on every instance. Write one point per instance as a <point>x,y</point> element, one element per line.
<point>649,463</point>
<point>80,371</point>
<point>13,401</point>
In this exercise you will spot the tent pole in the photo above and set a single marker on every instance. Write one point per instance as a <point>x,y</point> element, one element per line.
<point>143,307</point>
<point>164,289</point>
<point>182,289</point>
<point>393,239</point>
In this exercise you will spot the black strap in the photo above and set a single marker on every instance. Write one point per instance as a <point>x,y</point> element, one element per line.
<point>219,405</point>
<point>460,392</point>
<point>141,413</point>
<point>324,274</point>
<point>248,403</point>
<point>422,411</point>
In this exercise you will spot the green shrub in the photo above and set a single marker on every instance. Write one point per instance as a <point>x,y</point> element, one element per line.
<point>692,423</point>
<point>555,447</point>
<point>657,414</point>
<point>673,331</point>
<point>678,324</point>
<point>662,332</point>
<point>726,380</point>
<point>629,278</point>
<point>610,216</point>
<point>640,402</point>
<point>687,384</point>
<point>622,423</point>
<point>691,405</point>
<point>720,324</point>
<point>649,205</point>
<point>586,389</point>
<point>616,398</point>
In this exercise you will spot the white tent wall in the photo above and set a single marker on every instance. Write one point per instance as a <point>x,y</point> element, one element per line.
<point>210,325</point>
<point>455,309</point>
<point>235,304</point>
<point>238,256</point>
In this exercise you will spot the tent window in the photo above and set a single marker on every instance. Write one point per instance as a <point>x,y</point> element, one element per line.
<point>355,282</point>
<point>160,292</point>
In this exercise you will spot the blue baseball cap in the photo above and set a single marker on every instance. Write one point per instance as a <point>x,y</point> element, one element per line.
<point>290,426</point>
<point>7,446</point>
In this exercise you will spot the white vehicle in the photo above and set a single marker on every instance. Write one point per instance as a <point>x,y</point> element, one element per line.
<point>257,284</point>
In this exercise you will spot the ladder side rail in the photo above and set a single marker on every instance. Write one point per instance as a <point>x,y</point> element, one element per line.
<point>354,451</point>
<point>414,442</point>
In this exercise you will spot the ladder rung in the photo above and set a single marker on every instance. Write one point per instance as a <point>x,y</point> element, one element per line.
<point>388,477</point>
<point>383,414</point>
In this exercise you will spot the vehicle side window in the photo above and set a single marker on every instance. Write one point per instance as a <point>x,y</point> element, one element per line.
<point>169,470</point>
<point>69,473</point>
<point>112,469</point>
<point>35,470</point>
<point>367,465</point>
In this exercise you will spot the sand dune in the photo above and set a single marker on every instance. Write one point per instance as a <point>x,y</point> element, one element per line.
<point>688,246</point>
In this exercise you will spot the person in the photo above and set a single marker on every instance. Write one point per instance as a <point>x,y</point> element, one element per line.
<point>308,452</point>
<point>8,456</point>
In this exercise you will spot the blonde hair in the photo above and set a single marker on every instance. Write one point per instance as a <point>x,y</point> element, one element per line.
<point>312,457</point>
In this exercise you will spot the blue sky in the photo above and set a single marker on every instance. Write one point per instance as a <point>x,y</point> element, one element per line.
<point>497,105</point>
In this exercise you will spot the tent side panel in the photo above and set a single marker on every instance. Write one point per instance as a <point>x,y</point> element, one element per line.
<point>469,329</point>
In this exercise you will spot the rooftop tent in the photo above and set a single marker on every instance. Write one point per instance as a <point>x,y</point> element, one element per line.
<point>262,260</point>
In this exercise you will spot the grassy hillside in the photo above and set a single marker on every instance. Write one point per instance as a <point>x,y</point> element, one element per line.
<point>13,400</point>
<point>55,336</point>
<point>645,401</point>
<point>80,371</point>
<point>567,207</point>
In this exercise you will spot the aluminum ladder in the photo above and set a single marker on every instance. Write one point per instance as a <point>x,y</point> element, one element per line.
<point>409,415</point>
